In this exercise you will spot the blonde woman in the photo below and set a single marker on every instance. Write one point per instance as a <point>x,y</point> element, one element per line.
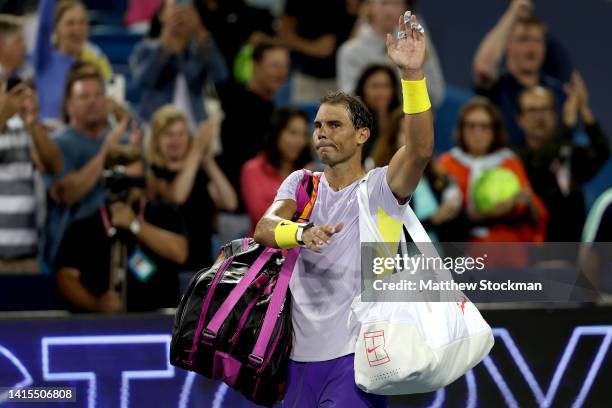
<point>187,174</point>
<point>60,42</point>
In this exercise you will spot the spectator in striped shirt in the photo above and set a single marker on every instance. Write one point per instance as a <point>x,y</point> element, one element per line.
<point>24,150</point>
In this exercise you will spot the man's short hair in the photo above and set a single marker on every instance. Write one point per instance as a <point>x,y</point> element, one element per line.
<point>77,76</point>
<point>73,77</point>
<point>538,89</point>
<point>9,24</point>
<point>262,46</point>
<point>359,113</point>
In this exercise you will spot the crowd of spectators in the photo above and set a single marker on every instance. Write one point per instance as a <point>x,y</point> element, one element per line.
<point>116,199</point>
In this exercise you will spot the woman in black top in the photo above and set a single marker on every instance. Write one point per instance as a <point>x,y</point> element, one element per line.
<point>187,174</point>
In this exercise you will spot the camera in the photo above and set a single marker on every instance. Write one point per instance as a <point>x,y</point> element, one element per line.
<point>118,184</point>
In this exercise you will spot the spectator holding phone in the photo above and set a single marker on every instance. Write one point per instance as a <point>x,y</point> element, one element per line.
<point>63,28</point>
<point>24,149</point>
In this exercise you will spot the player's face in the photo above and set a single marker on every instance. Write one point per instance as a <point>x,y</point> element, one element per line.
<point>335,138</point>
<point>537,117</point>
<point>527,47</point>
<point>174,141</point>
<point>477,132</point>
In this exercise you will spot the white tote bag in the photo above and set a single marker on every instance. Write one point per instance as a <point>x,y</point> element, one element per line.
<point>413,347</point>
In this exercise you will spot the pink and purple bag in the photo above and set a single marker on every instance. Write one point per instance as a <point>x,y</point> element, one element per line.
<point>233,323</point>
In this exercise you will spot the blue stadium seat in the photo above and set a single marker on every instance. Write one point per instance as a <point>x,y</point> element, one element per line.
<point>118,44</point>
<point>117,6</point>
<point>115,42</point>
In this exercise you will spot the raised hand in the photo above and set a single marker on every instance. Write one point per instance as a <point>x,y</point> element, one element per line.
<point>205,137</point>
<point>521,8</point>
<point>29,108</point>
<point>11,102</point>
<point>571,105</point>
<point>114,136</point>
<point>408,52</point>
<point>136,136</point>
<point>580,89</point>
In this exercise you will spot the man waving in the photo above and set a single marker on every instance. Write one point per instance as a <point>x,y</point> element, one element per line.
<point>326,278</point>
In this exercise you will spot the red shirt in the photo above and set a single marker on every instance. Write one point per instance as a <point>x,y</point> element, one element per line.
<point>259,182</point>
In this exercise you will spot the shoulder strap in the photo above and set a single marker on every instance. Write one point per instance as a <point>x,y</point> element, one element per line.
<point>306,195</point>
<point>410,220</point>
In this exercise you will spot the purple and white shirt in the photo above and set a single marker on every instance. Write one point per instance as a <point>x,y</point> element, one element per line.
<point>324,285</point>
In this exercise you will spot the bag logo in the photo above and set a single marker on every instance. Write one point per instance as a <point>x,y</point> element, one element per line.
<point>375,348</point>
<point>462,304</point>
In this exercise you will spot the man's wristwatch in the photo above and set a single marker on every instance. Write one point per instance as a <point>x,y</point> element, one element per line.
<point>135,227</point>
<point>300,231</point>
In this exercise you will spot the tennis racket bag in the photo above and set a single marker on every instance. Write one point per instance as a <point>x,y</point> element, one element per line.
<point>233,323</point>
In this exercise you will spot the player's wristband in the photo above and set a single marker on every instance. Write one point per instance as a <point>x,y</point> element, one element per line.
<point>416,98</point>
<point>285,234</point>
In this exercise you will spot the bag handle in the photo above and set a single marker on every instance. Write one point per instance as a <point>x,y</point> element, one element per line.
<point>256,358</point>
<point>302,199</point>
<point>211,330</point>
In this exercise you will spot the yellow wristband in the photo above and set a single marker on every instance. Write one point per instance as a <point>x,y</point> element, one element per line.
<point>416,98</point>
<point>285,234</point>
